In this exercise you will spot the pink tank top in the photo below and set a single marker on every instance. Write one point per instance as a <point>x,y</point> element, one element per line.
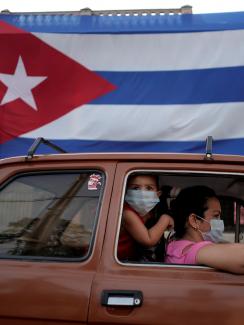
<point>175,254</point>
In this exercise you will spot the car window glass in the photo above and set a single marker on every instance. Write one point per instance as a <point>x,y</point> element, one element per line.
<point>49,215</point>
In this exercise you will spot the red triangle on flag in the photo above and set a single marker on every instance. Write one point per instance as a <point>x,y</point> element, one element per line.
<point>67,85</point>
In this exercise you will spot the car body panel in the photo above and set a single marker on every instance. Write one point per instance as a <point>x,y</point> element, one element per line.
<point>171,294</point>
<point>52,290</point>
<point>36,292</point>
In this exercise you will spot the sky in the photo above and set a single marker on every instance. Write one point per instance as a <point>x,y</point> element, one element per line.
<point>199,6</point>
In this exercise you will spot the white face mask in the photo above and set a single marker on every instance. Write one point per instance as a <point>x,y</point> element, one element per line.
<point>215,234</point>
<point>141,201</point>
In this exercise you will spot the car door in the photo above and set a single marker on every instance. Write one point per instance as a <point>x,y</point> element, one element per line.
<point>52,223</point>
<point>126,293</point>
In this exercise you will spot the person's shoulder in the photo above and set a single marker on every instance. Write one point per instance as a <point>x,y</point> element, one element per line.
<point>128,210</point>
<point>180,243</point>
<point>177,247</point>
<point>184,246</point>
<point>127,207</point>
<point>130,214</point>
<point>202,243</point>
<point>192,252</point>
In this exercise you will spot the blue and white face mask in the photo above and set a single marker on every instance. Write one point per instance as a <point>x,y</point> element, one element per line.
<point>141,201</point>
<point>215,234</point>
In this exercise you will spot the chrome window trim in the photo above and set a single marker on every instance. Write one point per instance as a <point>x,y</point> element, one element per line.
<point>181,266</point>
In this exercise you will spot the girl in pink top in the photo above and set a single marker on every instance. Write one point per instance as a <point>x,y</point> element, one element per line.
<point>199,233</point>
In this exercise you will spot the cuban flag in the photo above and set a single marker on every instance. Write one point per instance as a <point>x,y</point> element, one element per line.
<point>122,83</point>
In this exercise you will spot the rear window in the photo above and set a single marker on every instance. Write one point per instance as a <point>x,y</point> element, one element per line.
<point>50,215</point>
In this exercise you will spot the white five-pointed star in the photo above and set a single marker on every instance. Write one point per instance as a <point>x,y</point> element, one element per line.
<point>19,85</point>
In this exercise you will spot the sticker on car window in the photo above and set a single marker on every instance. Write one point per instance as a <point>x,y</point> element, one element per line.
<point>94,182</point>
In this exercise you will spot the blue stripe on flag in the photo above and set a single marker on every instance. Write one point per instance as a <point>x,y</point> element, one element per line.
<point>20,146</point>
<point>175,87</point>
<point>73,23</point>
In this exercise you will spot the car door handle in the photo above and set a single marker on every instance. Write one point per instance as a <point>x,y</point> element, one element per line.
<point>129,298</point>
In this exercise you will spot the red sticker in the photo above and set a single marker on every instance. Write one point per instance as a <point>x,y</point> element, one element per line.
<point>94,181</point>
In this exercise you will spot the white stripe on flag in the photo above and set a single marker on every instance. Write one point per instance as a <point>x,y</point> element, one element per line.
<point>152,52</point>
<point>147,123</point>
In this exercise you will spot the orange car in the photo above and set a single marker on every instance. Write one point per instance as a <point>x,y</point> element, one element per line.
<point>60,218</point>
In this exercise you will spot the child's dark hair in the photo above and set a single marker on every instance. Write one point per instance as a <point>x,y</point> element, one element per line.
<point>155,176</point>
<point>190,200</point>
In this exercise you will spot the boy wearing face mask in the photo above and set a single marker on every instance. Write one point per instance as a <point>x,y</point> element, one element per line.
<point>141,198</point>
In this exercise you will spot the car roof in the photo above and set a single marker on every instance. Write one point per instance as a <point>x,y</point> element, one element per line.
<point>127,156</point>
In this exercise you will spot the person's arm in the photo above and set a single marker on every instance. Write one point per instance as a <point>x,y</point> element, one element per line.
<point>226,257</point>
<point>144,236</point>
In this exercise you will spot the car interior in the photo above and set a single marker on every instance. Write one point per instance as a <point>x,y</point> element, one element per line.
<point>228,187</point>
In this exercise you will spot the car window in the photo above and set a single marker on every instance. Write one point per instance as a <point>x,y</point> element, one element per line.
<point>228,188</point>
<point>49,215</point>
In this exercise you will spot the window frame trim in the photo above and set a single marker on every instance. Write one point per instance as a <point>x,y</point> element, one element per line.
<point>96,219</point>
<point>159,171</point>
